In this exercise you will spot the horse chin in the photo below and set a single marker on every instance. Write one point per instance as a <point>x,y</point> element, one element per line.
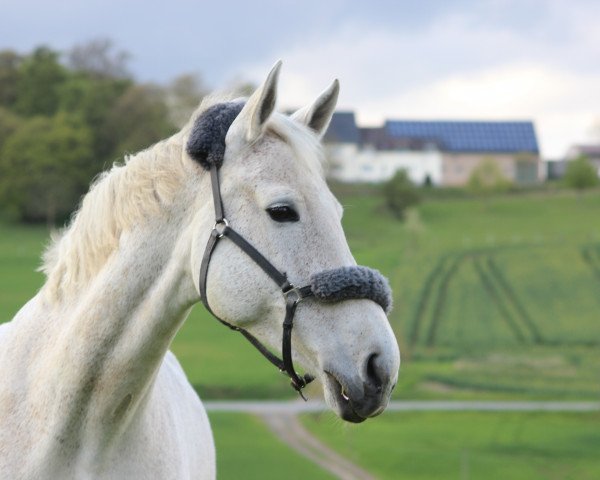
<point>338,401</point>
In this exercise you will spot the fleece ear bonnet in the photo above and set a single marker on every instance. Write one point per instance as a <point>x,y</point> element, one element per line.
<point>206,144</point>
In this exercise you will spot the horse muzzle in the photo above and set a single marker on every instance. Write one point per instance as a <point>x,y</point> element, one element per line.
<point>356,403</point>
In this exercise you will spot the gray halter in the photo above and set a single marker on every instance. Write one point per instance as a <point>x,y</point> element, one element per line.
<point>206,145</point>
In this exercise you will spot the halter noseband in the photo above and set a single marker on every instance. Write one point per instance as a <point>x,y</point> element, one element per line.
<point>207,146</point>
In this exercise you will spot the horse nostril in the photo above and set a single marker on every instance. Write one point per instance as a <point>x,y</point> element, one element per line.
<point>373,376</point>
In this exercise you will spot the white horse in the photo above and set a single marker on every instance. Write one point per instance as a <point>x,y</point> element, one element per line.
<point>88,387</point>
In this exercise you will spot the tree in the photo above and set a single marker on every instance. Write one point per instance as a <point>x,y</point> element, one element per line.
<point>400,194</point>
<point>98,59</point>
<point>44,167</point>
<point>92,100</point>
<point>581,174</point>
<point>182,97</point>
<point>40,78</point>
<point>9,77</point>
<point>138,119</point>
<point>242,88</point>
<point>60,125</point>
<point>9,124</point>
<point>487,177</point>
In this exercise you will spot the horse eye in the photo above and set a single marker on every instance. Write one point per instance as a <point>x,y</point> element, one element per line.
<point>283,213</point>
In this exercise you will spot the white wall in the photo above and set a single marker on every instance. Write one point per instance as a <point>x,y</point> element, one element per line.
<point>349,164</point>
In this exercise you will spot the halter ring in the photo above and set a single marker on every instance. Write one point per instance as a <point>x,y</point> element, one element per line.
<point>220,226</point>
<point>294,293</point>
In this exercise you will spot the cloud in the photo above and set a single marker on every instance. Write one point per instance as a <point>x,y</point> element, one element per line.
<point>535,59</point>
<point>563,105</point>
<point>458,66</point>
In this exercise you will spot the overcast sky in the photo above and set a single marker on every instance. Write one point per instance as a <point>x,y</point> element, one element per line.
<point>431,59</point>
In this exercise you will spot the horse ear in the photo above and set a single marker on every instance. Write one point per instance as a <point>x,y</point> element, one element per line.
<point>259,107</point>
<point>318,115</point>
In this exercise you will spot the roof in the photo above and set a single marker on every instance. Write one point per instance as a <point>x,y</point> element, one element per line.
<point>342,129</point>
<point>466,136</point>
<point>380,139</point>
<point>591,151</point>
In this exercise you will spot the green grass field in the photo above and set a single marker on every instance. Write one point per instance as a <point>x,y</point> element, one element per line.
<point>495,299</point>
<point>508,286</point>
<point>464,446</point>
<point>247,450</point>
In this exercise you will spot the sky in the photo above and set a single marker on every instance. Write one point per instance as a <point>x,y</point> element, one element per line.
<point>427,59</point>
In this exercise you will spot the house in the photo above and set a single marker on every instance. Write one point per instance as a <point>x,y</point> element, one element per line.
<point>465,144</point>
<point>370,155</point>
<point>437,152</point>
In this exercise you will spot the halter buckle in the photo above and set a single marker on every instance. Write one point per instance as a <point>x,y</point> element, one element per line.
<point>220,226</point>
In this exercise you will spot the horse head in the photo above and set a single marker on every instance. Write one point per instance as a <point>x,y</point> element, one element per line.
<point>267,171</point>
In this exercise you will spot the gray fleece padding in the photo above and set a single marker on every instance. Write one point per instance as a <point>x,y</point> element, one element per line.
<point>206,144</point>
<point>348,283</point>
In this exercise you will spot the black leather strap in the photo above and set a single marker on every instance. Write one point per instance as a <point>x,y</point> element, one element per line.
<point>210,246</point>
<point>216,191</point>
<point>293,295</point>
<point>279,278</point>
<point>292,300</point>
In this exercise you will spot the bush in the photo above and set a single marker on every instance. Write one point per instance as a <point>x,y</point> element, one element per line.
<point>581,174</point>
<point>400,194</point>
<point>487,177</point>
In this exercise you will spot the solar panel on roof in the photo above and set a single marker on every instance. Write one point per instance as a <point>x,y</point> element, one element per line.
<point>497,137</point>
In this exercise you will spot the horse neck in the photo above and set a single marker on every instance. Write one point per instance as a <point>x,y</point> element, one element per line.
<point>111,339</point>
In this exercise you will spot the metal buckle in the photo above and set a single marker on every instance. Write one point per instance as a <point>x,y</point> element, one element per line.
<point>223,224</point>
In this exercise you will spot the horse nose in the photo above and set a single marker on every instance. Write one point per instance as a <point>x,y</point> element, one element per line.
<point>375,374</point>
<point>376,389</point>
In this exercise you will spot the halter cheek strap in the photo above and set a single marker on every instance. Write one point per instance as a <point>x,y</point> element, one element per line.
<point>292,295</point>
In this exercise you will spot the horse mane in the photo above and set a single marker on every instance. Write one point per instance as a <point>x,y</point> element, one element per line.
<point>134,190</point>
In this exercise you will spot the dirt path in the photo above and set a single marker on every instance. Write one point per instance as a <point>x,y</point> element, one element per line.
<point>295,407</point>
<point>288,428</point>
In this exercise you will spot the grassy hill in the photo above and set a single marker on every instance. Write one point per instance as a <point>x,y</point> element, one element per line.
<point>493,298</point>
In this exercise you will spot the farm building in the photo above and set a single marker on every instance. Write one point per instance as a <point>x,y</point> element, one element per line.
<point>443,152</point>
<point>371,155</point>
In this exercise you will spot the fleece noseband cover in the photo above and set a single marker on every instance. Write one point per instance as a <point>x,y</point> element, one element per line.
<point>347,283</point>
